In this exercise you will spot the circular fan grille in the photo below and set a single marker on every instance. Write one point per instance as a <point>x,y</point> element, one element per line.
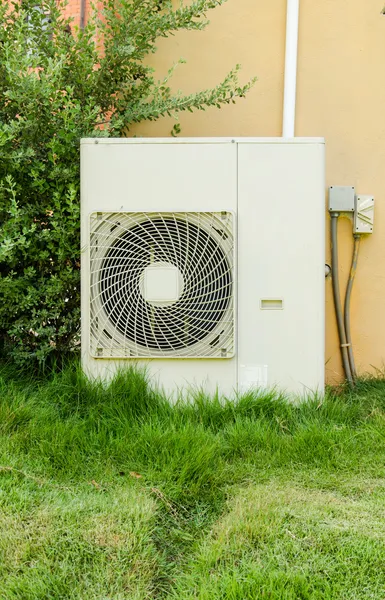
<point>199,252</point>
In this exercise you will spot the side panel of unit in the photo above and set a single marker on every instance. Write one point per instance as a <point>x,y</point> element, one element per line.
<point>281,257</point>
<point>157,177</point>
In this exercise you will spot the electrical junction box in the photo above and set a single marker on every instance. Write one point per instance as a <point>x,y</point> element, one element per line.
<point>203,262</point>
<point>341,198</point>
<point>364,214</point>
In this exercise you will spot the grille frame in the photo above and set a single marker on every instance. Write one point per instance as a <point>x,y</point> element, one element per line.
<point>107,340</point>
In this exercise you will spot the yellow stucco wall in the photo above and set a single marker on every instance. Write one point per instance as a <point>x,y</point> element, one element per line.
<point>341,96</point>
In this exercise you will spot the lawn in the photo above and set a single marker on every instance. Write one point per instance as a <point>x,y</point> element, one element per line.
<point>111,493</point>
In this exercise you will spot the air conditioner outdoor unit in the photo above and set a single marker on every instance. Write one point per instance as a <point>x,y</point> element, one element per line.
<point>203,260</point>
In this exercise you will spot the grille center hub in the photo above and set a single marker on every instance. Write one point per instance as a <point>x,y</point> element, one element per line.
<point>161,284</point>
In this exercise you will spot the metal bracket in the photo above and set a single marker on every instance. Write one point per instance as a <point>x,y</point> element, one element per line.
<point>363,214</point>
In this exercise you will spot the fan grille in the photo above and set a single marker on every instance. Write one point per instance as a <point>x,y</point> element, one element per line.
<point>198,248</point>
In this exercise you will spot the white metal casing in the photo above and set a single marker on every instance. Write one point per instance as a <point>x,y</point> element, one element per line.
<point>276,190</point>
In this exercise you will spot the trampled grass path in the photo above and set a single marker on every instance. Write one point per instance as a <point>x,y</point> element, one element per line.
<point>111,493</point>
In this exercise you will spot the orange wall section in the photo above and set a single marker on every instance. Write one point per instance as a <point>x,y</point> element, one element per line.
<point>73,9</point>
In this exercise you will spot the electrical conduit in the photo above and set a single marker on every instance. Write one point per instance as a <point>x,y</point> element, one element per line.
<point>353,269</point>
<point>337,300</point>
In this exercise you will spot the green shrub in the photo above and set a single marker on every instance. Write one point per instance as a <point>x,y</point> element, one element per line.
<point>57,85</point>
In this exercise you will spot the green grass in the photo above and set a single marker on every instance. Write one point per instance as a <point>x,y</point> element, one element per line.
<point>111,493</point>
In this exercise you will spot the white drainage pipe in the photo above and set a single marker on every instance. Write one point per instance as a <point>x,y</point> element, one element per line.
<point>290,92</point>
